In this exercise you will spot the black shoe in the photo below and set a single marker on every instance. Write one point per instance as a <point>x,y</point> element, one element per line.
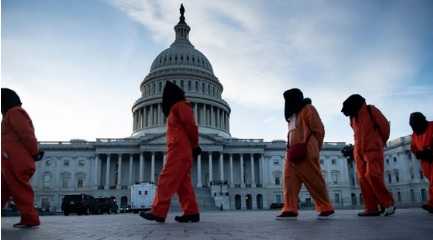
<point>326,214</point>
<point>428,208</point>
<point>370,214</point>
<point>22,225</point>
<point>287,216</point>
<point>151,217</point>
<point>188,218</point>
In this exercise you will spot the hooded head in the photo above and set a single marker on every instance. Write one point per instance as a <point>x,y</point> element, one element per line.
<point>352,105</point>
<point>171,95</point>
<point>294,102</point>
<point>418,122</point>
<point>9,99</point>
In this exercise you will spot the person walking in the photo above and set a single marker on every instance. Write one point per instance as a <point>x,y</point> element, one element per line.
<point>371,131</point>
<point>19,150</point>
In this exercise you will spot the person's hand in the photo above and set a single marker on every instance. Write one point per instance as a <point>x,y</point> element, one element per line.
<point>196,151</point>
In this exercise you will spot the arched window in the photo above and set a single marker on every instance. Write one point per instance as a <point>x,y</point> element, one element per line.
<point>189,85</point>
<point>66,178</point>
<point>80,178</point>
<point>46,180</point>
<point>196,86</point>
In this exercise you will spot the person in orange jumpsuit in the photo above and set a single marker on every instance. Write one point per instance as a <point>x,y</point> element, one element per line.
<point>305,126</point>
<point>422,147</point>
<point>19,148</point>
<point>371,131</point>
<point>182,146</point>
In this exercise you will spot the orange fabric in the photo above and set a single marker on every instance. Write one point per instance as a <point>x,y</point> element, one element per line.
<point>419,143</point>
<point>18,145</point>
<point>369,159</point>
<point>182,137</point>
<point>307,171</point>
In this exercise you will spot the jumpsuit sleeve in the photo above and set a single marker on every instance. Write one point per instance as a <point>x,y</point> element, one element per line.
<point>186,117</point>
<point>23,127</point>
<point>316,126</point>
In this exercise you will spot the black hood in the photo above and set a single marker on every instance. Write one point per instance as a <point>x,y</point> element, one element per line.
<point>9,99</point>
<point>171,95</point>
<point>418,122</point>
<point>352,105</point>
<point>294,101</point>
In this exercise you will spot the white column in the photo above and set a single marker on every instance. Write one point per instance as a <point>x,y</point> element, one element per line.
<point>231,170</point>
<point>96,171</point>
<point>262,170</point>
<point>119,171</point>
<point>131,159</point>
<point>141,167</point>
<point>152,168</point>
<point>211,116</point>
<point>253,176</point>
<point>159,122</point>
<point>242,170</point>
<point>199,184</point>
<point>107,172</point>
<point>221,166</point>
<point>196,113</point>
<point>210,168</point>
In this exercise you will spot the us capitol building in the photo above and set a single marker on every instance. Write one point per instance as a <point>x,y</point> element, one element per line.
<point>231,173</point>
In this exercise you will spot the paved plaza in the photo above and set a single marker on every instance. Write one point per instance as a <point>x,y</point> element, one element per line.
<point>406,224</point>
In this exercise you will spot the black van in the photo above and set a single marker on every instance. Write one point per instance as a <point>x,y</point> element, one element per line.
<point>79,204</point>
<point>106,205</point>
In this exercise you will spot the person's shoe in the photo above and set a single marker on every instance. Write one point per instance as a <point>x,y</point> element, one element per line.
<point>370,214</point>
<point>188,218</point>
<point>151,217</point>
<point>287,216</point>
<point>326,214</point>
<point>389,211</point>
<point>428,208</point>
<point>22,225</point>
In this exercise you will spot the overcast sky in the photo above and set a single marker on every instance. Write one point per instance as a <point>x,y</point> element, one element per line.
<point>77,65</point>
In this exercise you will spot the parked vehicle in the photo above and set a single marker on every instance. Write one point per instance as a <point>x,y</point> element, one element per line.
<point>79,204</point>
<point>106,205</point>
<point>142,196</point>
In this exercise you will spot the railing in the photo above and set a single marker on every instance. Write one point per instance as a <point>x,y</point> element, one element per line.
<point>115,140</point>
<point>238,140</point>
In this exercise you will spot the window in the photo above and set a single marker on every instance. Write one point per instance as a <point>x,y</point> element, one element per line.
<point>321,161</point>
<point>139,192</point>
<point>412,195</point>
<point>81,163</point>
<point>397,176</point>
<point>181,84</point>
<point>160,86</point>
<point>387,161</point>
<point>66,177</point>
<point>277,180</point>
<point>395,159</point>
<point>278,198</point>
<point>335,176</point>
<point>189,86</point>
<point>48,163</point>
<point>423,195</point>
<point>66,163</point>
<point>80,183</point>
<point>389,178</point>
<point>196,86</point>
<point>145,192</point>
<point>47,180</point>
<point>333,161</point>
<point>399,196</point>
<point>337,198</point>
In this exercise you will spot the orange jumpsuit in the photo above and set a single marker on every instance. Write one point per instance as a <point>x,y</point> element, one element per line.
<point>182,137</point>
<point>419,143</point>
<point>368,153</point>
<point>19,144</point>
<point>307,171</point>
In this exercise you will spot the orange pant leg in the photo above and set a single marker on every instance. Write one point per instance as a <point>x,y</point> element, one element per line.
<point>168,185</point>
<point>5,192</point>
<point>427,169</point>
<point>291,187</point>
<point>316,185</point>
<point>375,177</point>
<point>21,191</point>
<point>187,197</point>
<point>370,200</point>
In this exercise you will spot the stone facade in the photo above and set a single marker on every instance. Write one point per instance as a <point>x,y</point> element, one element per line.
<point>231,173</point>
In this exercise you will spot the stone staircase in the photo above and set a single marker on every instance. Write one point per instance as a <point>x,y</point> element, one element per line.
<point>204,199</point>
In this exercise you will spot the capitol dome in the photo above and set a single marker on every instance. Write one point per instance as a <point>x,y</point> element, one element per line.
<point>190,69</point>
